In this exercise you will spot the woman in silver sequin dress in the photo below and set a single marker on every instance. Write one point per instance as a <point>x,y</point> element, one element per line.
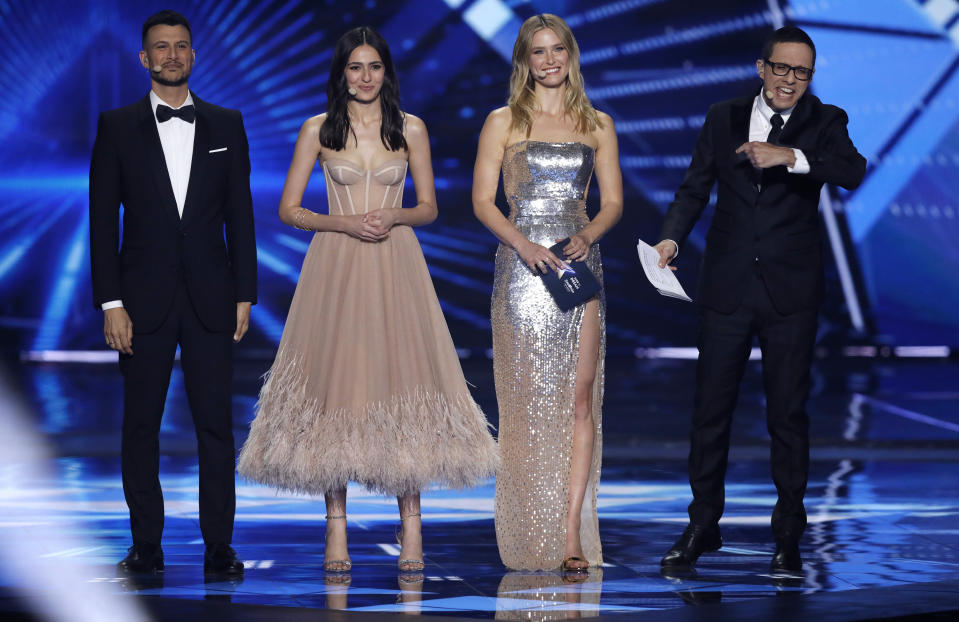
<point>548,364</point>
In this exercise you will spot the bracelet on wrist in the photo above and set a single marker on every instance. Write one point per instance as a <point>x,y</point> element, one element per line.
<point>299,219</point>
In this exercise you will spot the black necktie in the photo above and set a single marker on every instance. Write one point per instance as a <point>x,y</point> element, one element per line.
<point>774,133</point>
<point>165,113</point>
<point>773,139</point>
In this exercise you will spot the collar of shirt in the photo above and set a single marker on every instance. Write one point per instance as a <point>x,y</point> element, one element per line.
<point>766,112</point>
<point>156,101</point>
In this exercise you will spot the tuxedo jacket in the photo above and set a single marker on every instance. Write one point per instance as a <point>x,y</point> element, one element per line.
<point>779,223</point>
<point>211,248</point>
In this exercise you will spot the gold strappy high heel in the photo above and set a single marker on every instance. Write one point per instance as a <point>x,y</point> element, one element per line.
<point>408,565</point>
<point>337,565</point>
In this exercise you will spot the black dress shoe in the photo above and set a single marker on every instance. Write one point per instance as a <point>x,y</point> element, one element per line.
<point>221,559</point>
<point>142,558</point>
<point>786,559</point>
<point>678,574</point>
<point>140,582</point>
<point>696,540</point>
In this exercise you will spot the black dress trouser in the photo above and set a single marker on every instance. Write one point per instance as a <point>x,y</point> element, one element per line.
<point>725,340</point>
<point>207,361</point>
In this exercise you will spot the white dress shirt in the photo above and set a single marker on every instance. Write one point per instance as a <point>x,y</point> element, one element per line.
<point>759,128</point>
<point>760,125</point>
<point>176,138</point>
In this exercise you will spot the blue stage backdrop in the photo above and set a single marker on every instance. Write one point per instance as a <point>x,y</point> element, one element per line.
<point>654,65</point>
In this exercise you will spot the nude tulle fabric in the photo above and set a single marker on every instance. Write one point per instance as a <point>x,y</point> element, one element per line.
<point>366,385</point>
<point>535,355</point>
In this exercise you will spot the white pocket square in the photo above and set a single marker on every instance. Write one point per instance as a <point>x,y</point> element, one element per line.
<point>218,150</point>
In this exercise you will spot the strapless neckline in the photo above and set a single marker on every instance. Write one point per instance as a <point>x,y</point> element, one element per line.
<point>549,142</point>
<point>360,167</point>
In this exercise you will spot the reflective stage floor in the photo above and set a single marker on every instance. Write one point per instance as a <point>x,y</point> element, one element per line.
<point>883,503</point>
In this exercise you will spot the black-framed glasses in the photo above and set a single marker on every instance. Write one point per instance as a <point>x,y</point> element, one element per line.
<point>781,69</point>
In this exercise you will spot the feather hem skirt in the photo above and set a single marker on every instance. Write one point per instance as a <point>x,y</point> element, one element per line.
<point>390,447</point>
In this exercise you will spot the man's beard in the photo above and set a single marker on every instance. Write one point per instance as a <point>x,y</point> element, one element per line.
<point>159,79</point>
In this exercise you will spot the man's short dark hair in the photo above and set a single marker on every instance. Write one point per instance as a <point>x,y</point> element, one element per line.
<point>167,18</point>
<point>788,34</point>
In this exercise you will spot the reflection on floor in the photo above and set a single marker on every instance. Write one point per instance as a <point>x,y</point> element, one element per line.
<point>883,503</point>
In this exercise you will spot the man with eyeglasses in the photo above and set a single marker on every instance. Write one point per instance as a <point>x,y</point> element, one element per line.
<point>762,275</point>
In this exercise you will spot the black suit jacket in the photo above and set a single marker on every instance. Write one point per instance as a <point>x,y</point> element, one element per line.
<point>780,223</point>
<point>159,249</point>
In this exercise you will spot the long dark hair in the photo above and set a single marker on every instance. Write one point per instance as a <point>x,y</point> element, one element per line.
<point>336,129</point>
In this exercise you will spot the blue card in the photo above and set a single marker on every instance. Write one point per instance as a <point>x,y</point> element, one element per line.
<point>574,284</point>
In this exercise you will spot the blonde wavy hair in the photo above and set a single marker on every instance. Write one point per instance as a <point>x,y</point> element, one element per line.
<point>522,97</point>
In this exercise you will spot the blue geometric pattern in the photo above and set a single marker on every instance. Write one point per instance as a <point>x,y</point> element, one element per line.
<point>894,67</point>
<point>653,68</point>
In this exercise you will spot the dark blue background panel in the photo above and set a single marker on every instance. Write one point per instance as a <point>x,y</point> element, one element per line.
<point>655,66</point>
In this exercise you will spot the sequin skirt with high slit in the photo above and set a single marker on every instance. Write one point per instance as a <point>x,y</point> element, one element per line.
<point>535,357</point>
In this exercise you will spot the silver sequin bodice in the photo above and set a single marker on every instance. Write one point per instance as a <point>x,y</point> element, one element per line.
<point>547,181</point>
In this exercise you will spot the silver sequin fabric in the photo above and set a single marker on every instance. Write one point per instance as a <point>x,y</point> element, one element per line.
<point>535,354</point>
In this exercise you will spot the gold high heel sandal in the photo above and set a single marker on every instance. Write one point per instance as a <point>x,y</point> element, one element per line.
<point>408,565</point>
<point>337,565</point>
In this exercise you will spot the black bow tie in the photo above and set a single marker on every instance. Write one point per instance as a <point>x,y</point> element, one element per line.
<point>165,113</point>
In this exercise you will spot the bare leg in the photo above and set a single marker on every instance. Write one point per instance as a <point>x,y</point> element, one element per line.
<point>411,591</point>
<point>335,555</point>
<point>336,597</point>
<point>583,431</point>
<point>411,539</point>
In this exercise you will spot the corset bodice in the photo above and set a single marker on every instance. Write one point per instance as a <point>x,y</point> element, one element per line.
<point>351,189</point>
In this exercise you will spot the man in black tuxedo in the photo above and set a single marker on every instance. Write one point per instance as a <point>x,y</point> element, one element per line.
<point>181,169</point>
<point>762,275</point>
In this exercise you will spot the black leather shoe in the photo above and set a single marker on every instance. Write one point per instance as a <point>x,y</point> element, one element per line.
<point>139,582</point>
<point>696,540</point>
<point>786,559</point>
<point>221,559</point>
<point>142,558</point>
